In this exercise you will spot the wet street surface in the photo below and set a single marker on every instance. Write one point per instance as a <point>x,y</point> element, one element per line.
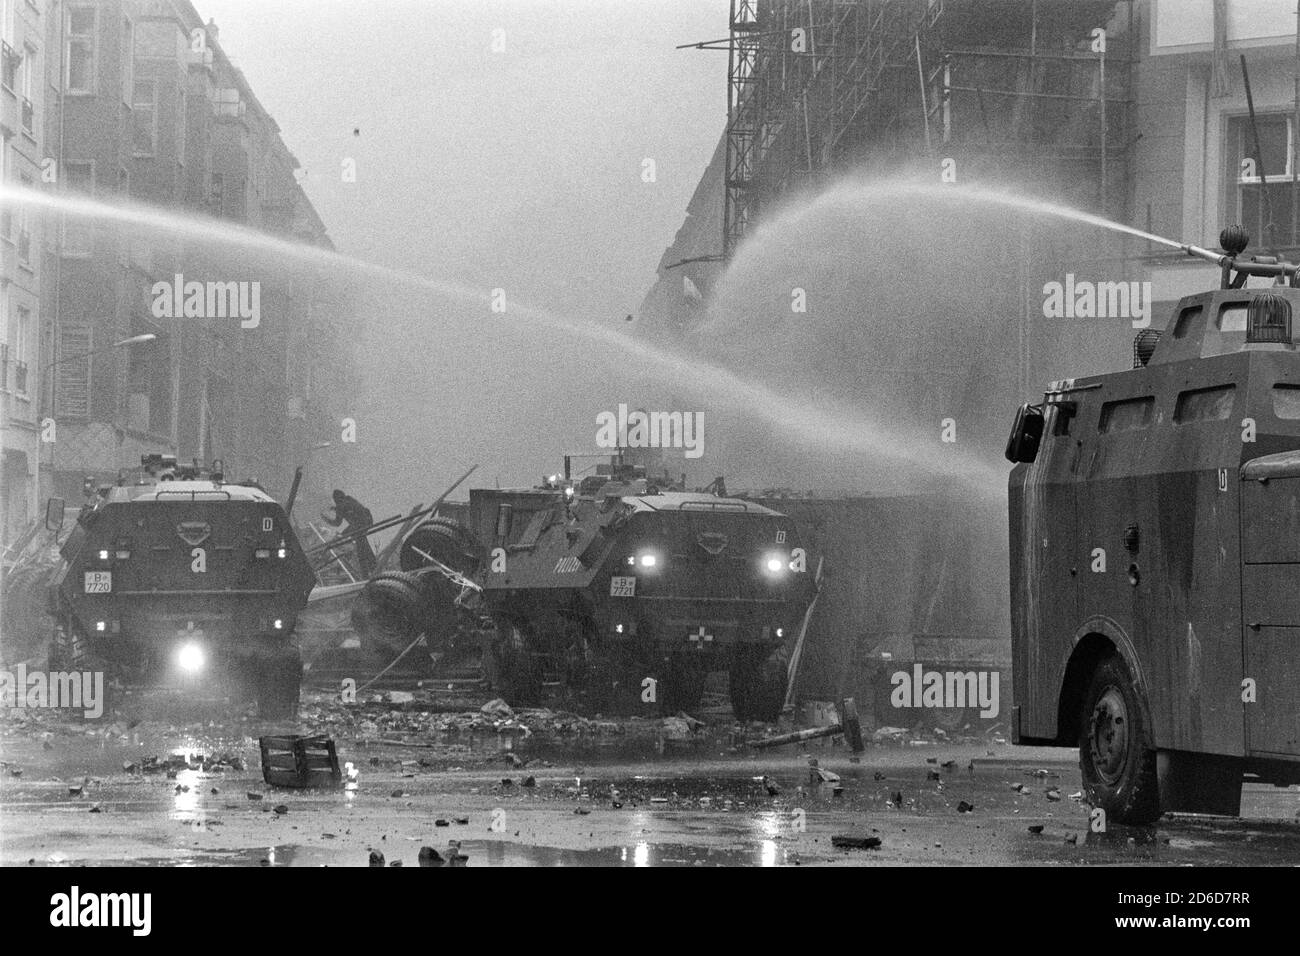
<point>548,789</point>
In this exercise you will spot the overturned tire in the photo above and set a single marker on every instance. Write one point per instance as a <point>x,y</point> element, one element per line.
<point>444,540</point>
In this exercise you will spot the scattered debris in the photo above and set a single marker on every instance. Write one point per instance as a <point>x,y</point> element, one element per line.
<point>497,708</point>
<point>298,761</point>
<point>855,842</point>
<point>964,807</point>
<point>431,857</point>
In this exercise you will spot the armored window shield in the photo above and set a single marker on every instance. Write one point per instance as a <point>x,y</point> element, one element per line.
<point>1126,415</point>
<point>1026,434</point>
<point>1232,318</point>
<point>1187,320</point>
<point>1286,402</point>
<point>1204,404</point>
<point>503,521</point>
<point>1063,416</point>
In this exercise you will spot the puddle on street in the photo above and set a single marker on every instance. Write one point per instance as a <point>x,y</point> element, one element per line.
<point>480,853</point>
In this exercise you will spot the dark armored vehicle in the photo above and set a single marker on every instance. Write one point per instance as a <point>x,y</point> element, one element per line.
<point>183,578</point>
<point>1155,556</point>
<point>633,594</point>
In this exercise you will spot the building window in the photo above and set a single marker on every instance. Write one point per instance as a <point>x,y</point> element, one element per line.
<point>1270,162</point>
<point>144,117</point>
<point>25,71</point>
<point>22,336</point>
<point>72,381</point>
<point>10,63</point>
<point>79,50</point>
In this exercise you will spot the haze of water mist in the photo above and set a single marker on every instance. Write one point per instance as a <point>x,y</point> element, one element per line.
<point>915,295</point>
<point>534,364</point>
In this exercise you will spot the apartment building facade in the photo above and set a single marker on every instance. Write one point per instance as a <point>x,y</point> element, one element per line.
<point>22,111</point>
<point>148,111</point>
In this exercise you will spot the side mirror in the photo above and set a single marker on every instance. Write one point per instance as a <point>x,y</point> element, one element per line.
<point>54,509</point>
<point>1026,434</point>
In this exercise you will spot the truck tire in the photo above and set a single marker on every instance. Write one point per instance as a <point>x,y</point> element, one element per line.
<point>682,688</point>
<point>1116,757</point>
<point>279,686</point>
<point>517,678</point>
<point>758,683</point>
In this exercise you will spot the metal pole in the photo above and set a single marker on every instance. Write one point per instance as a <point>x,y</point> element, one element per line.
<point>925,108</point>
<point>1269,228</point>
<point>1101,93</point>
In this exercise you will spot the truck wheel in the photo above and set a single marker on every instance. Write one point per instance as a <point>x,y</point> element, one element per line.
<point>279,686</point>
<point>1115,753</point>
<point>682,688</point>
<point>518,680</point>
<point>758,683</point>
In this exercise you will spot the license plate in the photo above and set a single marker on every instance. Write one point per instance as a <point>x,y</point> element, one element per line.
<point>622,587</point>
<point>99,582</point>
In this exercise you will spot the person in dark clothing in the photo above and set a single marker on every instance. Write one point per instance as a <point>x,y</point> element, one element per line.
<point>357,516</point>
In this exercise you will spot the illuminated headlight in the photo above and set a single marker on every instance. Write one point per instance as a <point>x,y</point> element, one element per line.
<point>281,553</point>
<point>190,658</point>
<point>618,628</point>
<point>101,626</point>
<point>774,563</point>
<point>279,624</point>
<point>103,555</point>
<point>780,632</point>
<point>649,560</point>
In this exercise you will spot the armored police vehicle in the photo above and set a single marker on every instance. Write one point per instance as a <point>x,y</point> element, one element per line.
<point>183,578</point>
<point>631,593</point>
<point>1155,555</point>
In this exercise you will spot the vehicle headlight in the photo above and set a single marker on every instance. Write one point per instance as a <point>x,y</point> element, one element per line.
<point>648,560</point>
<point>774,563</point>
<point>191,658</point>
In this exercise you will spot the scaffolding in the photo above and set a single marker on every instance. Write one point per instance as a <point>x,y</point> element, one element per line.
<point>820,86</point>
